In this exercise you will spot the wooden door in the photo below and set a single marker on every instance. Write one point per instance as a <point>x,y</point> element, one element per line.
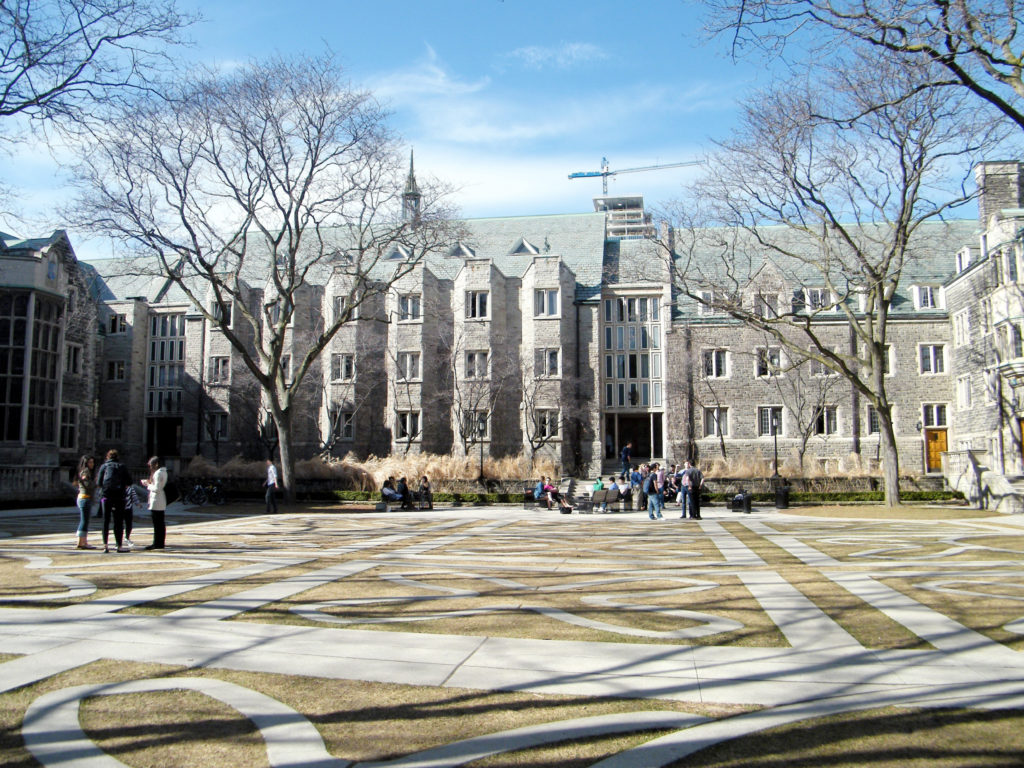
<point>935,446</point>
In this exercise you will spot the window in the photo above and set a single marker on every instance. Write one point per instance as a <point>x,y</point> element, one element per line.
<point>1011,265</point>
<point>961,328</point>
<point>340,305</point>
<point>222,313</point>
<point>343,367</point>
<point>408,424</point>
<point>1013,341</point>
<point>716,422</point>
<point>476,304</point>
<point>73,359</point>
<point>408,365</point>
<point>409,307</point>
<point>932,358</point>
<point>769,420</point>
<point>873,424</point>
<point>818,299</point>
<point>766,305</point>
<point>68,427</point>
<point>342,422</point>
<point>985,312</point>
<point>963,393</point>
<point>933,415</point>
<point>548,362</point>
<point>545,302</point>
<point>286,368</point>
<point>547,423</point>
<point>115,370</point>
<point>825,421</point>
<point>476,365</point>
<point>113,429</point>
<point>818,368</point>
<point>927,296</point>
<point>476,423</point>
<point>769,361</point>
<point>220,370</point>
<point>117,324</point>
<point>217,426</point>
<point>714,363</point>
<point>282,308</point>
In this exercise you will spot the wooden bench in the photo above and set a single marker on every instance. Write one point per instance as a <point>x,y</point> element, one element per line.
<point>608,498</point>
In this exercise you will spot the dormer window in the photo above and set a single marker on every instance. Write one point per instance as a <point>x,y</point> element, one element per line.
<point>525,246</point>
<point>927,296</point>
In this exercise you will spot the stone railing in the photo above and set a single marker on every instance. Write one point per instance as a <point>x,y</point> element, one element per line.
<point>32,482</point>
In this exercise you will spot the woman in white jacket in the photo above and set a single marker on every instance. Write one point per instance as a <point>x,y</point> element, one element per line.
<point>157,500</point>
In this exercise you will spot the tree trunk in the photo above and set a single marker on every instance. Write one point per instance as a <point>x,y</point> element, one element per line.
<point>890,458</point>
<point>283,420</point>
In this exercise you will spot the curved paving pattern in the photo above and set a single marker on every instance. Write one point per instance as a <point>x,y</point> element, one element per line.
<point>409,567</point>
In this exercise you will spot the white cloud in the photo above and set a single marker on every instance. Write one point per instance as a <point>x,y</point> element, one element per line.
<point>563,56</point>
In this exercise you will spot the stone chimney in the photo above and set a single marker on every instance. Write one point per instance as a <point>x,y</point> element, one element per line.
<point>999,186</point>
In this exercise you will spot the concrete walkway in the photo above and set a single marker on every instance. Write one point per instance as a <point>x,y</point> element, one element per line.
<point>823,670</point>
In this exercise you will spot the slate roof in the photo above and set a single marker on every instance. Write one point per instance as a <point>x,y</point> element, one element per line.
<point>935,245</point>
<point>577,238</point>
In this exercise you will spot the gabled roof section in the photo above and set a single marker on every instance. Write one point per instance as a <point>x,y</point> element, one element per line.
<point>524,246</point>
<point>461,251</point>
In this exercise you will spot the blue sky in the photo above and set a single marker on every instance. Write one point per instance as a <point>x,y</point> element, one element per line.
<point>501,99</point>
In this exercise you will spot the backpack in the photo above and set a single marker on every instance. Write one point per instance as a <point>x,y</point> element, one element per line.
<point>647,484</point>
<point>113,479</point>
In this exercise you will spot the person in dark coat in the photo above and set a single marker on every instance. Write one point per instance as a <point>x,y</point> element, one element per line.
<point>113,480</point>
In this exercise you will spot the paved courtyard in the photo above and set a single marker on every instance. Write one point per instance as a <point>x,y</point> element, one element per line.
<point>706,631</point>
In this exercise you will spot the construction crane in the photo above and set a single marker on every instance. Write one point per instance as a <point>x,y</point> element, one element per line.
<point>604,173</point>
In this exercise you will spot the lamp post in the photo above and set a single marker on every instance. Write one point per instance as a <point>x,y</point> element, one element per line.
<point>775,435</point>
<point>481,429</point>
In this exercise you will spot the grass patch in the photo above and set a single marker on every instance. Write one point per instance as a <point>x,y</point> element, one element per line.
<point>903,512</point>
<point>357,720</point>
<point>508,613</point>
<point>985,609</point>
<point>882,738</point>
<point>870,627</point>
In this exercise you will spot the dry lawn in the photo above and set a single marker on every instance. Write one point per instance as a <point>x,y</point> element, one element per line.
<point>509,614</point>
<point>882,738</point>
<point>986,608</point>
<point>880,512</point>
<point>358,721</point>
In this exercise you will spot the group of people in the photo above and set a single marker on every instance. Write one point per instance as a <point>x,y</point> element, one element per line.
<point>400,493</point>
<point>112,486</point>
<point>653,486</point>
<point>545,491</point>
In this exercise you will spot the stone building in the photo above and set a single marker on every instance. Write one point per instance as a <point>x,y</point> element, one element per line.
<point>986,307</point>
<point>561,335</point>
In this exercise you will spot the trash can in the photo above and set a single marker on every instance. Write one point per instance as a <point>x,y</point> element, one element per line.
<point>782,497</point>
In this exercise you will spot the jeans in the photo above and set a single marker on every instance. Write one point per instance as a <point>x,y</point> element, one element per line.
<point>271,499</point>
<point>84,510</point>
<point>653,511</point>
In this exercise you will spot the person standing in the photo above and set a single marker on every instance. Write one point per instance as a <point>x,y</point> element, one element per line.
<point>693,488</point>
<point>426,495</point>
<point>113,481</point>
<point>157,500</point>
<point>271,485</point>
<point>86,481</point>
<point>626,457</point>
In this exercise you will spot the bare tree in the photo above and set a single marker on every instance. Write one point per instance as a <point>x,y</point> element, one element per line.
<point>973,45</point>
<point>60,59</point>
<point>252,187</point>
<point>807,390</point>
<point>849,198</point>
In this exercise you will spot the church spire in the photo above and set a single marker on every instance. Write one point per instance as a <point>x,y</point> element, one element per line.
<point>411,197</point>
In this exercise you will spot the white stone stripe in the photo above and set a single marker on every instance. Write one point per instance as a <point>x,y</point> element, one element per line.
<point>54,736</point>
